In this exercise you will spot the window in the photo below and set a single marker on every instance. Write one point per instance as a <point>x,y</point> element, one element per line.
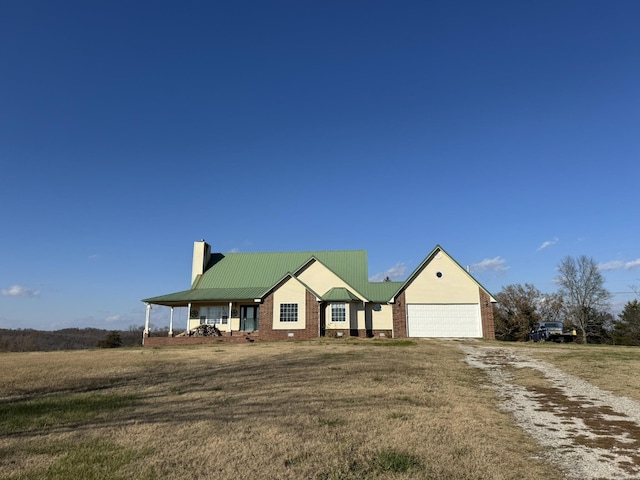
<point>288,312</point>
<point>214,315</point>
<point>338,312</point>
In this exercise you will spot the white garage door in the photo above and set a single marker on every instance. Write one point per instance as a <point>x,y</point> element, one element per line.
<point>444,321</point>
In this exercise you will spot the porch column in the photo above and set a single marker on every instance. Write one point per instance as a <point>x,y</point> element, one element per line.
<point>188,317</point>
<point>229,319</point>
<point>171,323</point>
<point>146,321</point>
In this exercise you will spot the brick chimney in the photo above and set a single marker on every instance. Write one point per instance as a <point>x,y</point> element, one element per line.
<point>201,257</point>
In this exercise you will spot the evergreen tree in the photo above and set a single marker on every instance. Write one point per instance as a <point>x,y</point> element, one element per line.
<point>599,326</point>
<point>112,340</point>
<point>626,330</point>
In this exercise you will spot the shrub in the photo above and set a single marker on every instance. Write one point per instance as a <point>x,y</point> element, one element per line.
<point>112,340</point>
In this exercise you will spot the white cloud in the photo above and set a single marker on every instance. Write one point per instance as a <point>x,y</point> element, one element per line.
<point>19,291</point>
<point>235,250</point>
<point>497,264</point>
<point>632,264</point>
<point>398,271</point>
<point>548,243</point>
<point>613,265</point>
<point>619,265</point>
<point>95,256</point>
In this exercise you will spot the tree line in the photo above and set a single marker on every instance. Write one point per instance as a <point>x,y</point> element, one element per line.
<point>30,340</point>
<point>581,302</point>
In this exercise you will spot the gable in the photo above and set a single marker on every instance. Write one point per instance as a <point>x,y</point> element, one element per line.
<point>290,291</point>
<point>442,280</point>
<point>321,279</point>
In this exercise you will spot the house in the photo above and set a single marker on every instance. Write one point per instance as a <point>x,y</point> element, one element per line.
<point>302,295</point>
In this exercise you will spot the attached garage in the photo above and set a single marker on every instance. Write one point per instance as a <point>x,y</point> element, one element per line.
<point>444,320</point>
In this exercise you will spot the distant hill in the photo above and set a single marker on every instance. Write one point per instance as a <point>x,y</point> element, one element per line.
<point>29,340</point>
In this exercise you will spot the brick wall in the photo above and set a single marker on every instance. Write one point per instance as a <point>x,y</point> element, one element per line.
<point>171,341</point>
<point>399,310</point>
<point>333,333</point>
<point>313,316</point>
<point>312,321</point>
<point>486,313</point>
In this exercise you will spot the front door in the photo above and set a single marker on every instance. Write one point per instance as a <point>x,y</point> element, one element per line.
<point>249,318</point>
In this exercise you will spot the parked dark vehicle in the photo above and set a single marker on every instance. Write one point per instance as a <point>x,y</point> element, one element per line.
<point>552,332</point>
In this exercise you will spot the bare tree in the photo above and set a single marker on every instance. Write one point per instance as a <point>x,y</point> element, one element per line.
<point>551,308</point>
<point>582,287</point>
<point>520,307</point>
<point>516,312</point>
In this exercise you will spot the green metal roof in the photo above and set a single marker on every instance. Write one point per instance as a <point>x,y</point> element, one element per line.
<point>381,292</point>
<point>234,270</point>
<point>207,294</point>
<point>340,294</point>
<point>242,276</point>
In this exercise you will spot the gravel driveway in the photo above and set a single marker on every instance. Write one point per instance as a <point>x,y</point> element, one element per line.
<point>588,432</point>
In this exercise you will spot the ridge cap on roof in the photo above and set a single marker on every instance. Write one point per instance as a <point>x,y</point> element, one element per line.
<point>291,251</point>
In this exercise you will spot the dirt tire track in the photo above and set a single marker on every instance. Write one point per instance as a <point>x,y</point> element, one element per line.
<point>589,433</point>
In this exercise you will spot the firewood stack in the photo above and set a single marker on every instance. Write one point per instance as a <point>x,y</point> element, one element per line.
<point>205,331</point>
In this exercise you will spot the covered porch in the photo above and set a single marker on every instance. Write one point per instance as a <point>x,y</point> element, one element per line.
<point>226,312</point>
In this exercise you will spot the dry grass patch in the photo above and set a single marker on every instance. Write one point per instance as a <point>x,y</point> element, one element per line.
<point>53,411</point>
<point>317,410</point>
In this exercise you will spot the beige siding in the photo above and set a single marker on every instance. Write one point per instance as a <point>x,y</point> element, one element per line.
<point>193,323</point>
<point>320,279</point>
<point>291,291</point>
<point>234,319</point>
<point>235,322</point>
<point>329,325</point>
<point>455,285</point>
<point>381,317</point>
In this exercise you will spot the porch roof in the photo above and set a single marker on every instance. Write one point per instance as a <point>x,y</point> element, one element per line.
<point>339,294</point>
<point>207,295</point>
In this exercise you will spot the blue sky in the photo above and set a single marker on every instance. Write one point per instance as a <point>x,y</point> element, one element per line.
<point>506,132</point>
